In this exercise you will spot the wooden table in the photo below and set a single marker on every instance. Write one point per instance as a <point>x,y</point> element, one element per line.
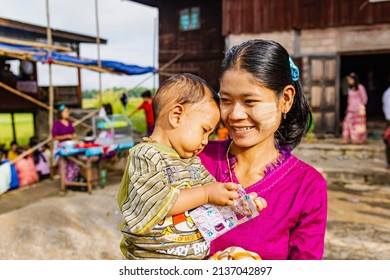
<point>89,159</point>
<point>86,164</point>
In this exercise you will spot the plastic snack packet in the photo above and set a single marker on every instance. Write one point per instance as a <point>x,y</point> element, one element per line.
<point>213,221</point>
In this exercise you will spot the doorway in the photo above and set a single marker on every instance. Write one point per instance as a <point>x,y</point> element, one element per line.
<point>373,71</point>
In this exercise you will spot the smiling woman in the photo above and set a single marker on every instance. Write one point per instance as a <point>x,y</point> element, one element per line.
<point>167,178</point>
<point>263,107</point>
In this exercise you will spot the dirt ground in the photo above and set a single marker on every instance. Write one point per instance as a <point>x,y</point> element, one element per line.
<point>75,226</point>
<point>38,223</point>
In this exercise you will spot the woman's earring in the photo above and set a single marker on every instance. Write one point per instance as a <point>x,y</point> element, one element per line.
<point>284,116</point>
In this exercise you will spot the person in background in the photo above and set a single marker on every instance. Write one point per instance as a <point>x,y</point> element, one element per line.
<point>354,124</point>
<point>148,108</point>
<point>63,128</point>
<point>14,174</point>
<point>222,132</point>
<point>108,108</point>
<point>25,167</point>
<point>266,112</point>
<point>13,151</point>
<point>63,131</point>
<point>41,160</point>
<point>386,111</point>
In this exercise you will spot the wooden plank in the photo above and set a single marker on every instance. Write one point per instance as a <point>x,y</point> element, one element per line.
<point>86,117</point>
<point>34,44</point>
<point>29,151</point>
<point>257,16</point>
<point>39,103</point>
<point>25,96</point>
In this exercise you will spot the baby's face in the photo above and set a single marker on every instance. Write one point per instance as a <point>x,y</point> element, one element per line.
<point>196,125</point>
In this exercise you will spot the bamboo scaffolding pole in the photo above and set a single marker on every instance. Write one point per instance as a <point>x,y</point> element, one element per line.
<point>173,60</point>
<point>51,90</point>
<point>89,67</point>
<point>166,74</point>
<point>25,96</point>
<point>17,52</point>
<point>43,105</point>
<point>31,150</point>
<point>24,55</point>
<point>155,37</point>
<point>34,44</point>
<point>86,117</point>
<point>98,53</point>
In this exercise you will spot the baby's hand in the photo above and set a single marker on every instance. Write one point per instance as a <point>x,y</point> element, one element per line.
<point>222,194</point>
<point>260,202</point>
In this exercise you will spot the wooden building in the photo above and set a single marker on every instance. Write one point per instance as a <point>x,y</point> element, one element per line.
<point>190,37</point>
<point>327,39</point>
<point>25,79</point>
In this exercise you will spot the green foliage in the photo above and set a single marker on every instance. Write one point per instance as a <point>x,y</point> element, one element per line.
<point>138,91</point>
<point>90,93</point>
<point>24,128</point>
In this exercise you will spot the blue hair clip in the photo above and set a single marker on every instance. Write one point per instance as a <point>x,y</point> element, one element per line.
<point>62,107</point>
<point>294,70</point>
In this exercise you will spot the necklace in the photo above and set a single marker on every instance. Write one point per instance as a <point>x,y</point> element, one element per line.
<point>228,161</point>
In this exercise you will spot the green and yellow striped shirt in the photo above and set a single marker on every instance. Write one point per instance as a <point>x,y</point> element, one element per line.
<point>150,186</point>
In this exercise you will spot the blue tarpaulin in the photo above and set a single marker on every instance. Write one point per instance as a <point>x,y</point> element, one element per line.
<point>56,57</point>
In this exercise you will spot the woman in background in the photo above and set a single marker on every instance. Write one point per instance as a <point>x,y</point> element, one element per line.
<point>63,131</point>
<point>354,125</point>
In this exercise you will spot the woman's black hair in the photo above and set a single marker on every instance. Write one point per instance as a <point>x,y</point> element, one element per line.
<point>268,62</point>
<point>61,108</point>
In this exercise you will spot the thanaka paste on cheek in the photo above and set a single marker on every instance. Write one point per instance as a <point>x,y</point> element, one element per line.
<point>266,114</point>
<point>224,110</point>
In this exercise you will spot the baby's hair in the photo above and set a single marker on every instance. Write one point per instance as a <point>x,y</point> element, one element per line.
<point>182,89</point>
<point>268,62</point>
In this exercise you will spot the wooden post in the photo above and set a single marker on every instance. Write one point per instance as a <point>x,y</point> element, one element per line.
<point>51,91</point>
<point>98,54</point>
<point>62,163</point>
<point>13,126</point>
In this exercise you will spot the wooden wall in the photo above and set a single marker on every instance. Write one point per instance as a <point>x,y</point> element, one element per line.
<point>257,16</point>
<point>202,48</point>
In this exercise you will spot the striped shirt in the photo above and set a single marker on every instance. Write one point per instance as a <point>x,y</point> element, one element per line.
<point>150,186</point>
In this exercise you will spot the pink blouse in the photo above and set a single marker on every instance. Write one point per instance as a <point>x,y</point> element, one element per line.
<point>356,98</point>
<point>293,224</point>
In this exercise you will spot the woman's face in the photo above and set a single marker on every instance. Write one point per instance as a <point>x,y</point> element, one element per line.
<point>350,81</point>
<point>251,112</point>
<point>65,114</point>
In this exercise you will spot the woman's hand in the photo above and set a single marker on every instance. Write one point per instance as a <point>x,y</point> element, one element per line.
<point>260,202</point>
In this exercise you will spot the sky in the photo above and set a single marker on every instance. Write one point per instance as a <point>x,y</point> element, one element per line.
<point>129,28</point>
